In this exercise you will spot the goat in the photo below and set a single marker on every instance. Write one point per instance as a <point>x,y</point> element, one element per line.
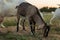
<point>30,12</point>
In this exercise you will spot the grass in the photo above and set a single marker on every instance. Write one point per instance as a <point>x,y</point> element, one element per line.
<point>11,21</point>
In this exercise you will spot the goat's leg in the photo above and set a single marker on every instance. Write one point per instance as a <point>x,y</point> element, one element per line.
<point>18,18</point>
<point>23,24</point>
<point>32,26</point>
<point>33,30</point>
<point>2,25</point>
<point>1,21</point>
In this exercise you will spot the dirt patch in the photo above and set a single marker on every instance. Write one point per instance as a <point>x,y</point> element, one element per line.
<point>21,32</point>
<point>13,30</point>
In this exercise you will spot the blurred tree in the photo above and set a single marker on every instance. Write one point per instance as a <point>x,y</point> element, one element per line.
<point>47,9</point>
<point>52,9</point>
<point>44,9</point>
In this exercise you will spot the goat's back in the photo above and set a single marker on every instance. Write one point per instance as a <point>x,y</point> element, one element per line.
<point>26,9</point>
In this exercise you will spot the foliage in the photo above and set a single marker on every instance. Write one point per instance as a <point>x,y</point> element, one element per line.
<point>46,9</point>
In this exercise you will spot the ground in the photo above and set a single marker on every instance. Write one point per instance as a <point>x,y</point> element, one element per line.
<point>9,32</point>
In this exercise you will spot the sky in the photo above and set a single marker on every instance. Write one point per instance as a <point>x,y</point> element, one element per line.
<point>42,3</point>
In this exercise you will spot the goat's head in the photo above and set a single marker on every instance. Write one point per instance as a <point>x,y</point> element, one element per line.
<point>46,30</point>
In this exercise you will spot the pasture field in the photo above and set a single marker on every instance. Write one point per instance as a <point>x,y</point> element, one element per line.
<point>9,33</point>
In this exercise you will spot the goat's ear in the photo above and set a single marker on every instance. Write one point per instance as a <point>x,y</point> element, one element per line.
<point>17,6</point>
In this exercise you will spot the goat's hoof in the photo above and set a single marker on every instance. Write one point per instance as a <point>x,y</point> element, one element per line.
<point>33,34</point>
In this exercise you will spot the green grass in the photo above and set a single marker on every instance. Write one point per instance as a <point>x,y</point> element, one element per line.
<point>11,21</point>
<point>47,18</point>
